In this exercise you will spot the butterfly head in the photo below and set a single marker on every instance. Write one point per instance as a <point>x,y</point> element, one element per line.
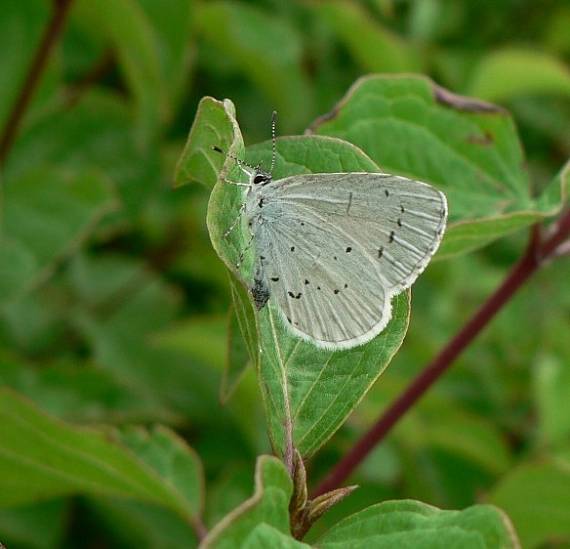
<point>259,177</point>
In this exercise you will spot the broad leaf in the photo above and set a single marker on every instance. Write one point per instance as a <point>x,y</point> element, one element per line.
<point>506,74</point>
<point>102,124</point>
<point>214,126</point>
<point>269,505</point>
<point>46,216</point>
<point>469,149</point>
<point>136,525</point>
<point>81,393</point>
<point>265,48</point>
<point>408,523</point>
<point>125,26</point>
<point>536,497</point>
<point>308,392</point>
<point>40,457</point>
<point>173,460</point>
<point>21,27</point>
<point>38,526</point>
<point>375,48</point>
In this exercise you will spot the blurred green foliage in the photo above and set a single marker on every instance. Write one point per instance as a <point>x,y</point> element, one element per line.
<point>114,305</point>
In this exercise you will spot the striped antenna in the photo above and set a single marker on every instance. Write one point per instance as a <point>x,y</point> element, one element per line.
<point>273,140</point>
<point>239,162</point>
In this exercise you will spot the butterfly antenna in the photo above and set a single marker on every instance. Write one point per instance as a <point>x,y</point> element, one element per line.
<point>273,140</point>
<point>239,162</point>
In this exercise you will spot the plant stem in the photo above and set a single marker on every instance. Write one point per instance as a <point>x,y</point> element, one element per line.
<point>39,62</point>
<point>537,253</point>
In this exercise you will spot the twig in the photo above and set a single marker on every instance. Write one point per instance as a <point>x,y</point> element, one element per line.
<point>39,62</point>
<point>93,75</point>
<point>537,253</point>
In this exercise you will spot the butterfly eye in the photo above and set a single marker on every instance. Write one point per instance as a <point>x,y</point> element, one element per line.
<point>259,179</point>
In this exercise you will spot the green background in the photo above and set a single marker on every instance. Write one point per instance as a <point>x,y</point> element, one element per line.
<point>114,304</point>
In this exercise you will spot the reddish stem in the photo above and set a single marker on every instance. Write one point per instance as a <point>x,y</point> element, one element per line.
<point>535,255</point>
<point>39,62</point>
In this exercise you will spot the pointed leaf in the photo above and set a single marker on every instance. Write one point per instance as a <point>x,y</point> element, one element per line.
<point>175,462</point>
<point>268,505</point>
<point>125,25</point>
<point>375,48</point>
<point>308,392</point>
<point>46,216</point>
<point>537,498</point>
<point>467,148</point>
<point>266,48</point>
<point>408,523</point>
<point>41,457</point>
<point>505,74</point>
<point>214,126</point>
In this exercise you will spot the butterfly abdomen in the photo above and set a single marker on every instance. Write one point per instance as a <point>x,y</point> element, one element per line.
<point>260,293</point>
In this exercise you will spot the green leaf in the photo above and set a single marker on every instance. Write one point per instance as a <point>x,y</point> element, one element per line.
<point>468,149</point>
<point>536,497</point>
<point>373,47</point>
<point>135,525</point>
<point>268,505</point>
<point>308,392</point>
<point>97,134</point>
<point>124,24</point>
<point>552,384</point>
<point>40,457</point>
<point>264,535</point>
<point>408,523</point>
<point>46,216</point>
<point>505,74</point>
<point>214,126</point>
<point>81,393</point>
<point>172,22</point>
<point>21,27</point>
<point>557,192</point>
<point>238,356</point>
<point>173,460</point>
<point>38,526</point>
<point>264,47</point>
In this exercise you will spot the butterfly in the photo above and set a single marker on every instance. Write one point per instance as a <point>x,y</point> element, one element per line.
<point>332,249</point>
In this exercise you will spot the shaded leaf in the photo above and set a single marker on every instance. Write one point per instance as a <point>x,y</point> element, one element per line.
<point>175,462</point>
<point>40,457</point>
<point>374,48</point>
<point>81,393</point>
<point>264,535</point>
<point>46,216</point>
<point>552,384</point>
<point>136,525</point>
<point>21,27</point>
<point>308,392</point>
<point>38,526</point>
<point>125,25</point>
<point>505,74</point>
<point>102,124</point>
<point>536,497</point>
<point>264,47</point>
<point>410,523</point>
<point>268,505</point>
<point>237,359</point>
<point>468,149</point>
<point>214,126</point>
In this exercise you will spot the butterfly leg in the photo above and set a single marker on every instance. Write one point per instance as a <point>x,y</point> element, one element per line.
<point>243,252</point>
<point>235,221</point>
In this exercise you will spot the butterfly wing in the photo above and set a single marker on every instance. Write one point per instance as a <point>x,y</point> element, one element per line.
<point>338,247</point>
